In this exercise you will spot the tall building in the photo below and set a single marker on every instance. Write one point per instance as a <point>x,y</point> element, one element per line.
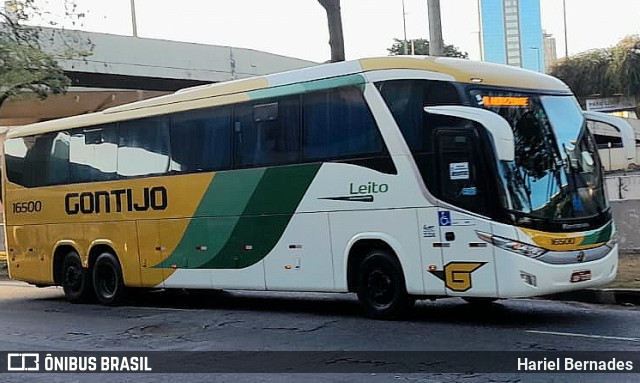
<point>550,52</point>
<point>512,33</point>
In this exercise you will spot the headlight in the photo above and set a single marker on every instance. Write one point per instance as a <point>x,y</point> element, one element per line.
<point>513,246</point>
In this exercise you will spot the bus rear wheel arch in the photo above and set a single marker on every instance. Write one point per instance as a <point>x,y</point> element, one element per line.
<point>108,283</point>
<point>75,279</point>
<point>377,278</point>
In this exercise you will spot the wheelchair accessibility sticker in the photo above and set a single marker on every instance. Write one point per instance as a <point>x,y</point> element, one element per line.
<point>444,217</point>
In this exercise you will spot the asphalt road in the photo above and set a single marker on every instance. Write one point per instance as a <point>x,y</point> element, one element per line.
<point>33,319</point>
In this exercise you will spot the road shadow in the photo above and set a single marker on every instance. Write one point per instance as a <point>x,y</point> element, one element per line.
<point>516,313</point>
<point>529,313</point>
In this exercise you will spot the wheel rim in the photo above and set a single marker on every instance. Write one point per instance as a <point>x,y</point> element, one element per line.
<point>380,288</point>
<point>107,281</point>
<point>73,278</point>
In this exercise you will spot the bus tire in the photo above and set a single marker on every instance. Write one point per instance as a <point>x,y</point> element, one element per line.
<point>76,280</point>
<point>381,288</point>
<point>107,279</point>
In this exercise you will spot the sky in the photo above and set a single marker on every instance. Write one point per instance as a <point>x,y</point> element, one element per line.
<point>298,28</point>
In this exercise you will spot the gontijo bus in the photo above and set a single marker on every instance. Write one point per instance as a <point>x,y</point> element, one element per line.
<point>396,178</point>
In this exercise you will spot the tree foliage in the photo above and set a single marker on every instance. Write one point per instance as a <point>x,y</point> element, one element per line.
<point>421,47</point>
<point>603,72</point>
<point>25,67</point>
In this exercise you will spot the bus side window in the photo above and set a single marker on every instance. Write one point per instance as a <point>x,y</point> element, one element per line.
<point>38,160</point>
<point>93,154</point>
<point>338,124</point>
<point>406,100</point>
<point>201,140</point>
<point>58,167</point>
<point>267,133</point>
<point>143,148</point>
<point>15,156</point>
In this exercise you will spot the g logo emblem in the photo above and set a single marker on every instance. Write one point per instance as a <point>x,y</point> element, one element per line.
<point>457,275</point>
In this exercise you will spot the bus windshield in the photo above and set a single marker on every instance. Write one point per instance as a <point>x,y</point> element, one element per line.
<point>556,174</point>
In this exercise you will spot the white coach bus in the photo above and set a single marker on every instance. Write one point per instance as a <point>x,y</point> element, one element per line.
<point>397,178</point>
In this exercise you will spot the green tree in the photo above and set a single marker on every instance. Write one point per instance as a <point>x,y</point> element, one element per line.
<point>603,72</point>
<point>26,69</point>
<point>421,47</point>
<point>586,73</point>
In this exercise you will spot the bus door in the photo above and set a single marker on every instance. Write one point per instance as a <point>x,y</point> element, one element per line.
<point>468,264</point>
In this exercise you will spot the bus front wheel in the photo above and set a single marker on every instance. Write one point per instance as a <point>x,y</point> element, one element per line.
<point>381,289</point>
<point>107,279</point>
<point>76,280</point>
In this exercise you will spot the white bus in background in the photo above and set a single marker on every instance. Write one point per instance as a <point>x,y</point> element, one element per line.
<point>616,141</point>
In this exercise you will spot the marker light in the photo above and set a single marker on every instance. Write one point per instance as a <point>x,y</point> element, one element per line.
<point>513,246</point>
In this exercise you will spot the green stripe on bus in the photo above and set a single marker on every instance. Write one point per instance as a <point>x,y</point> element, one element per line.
<point>307,87</point>
<point>266,217</point>
<point>259,204</point>
<point>602,235</point>
<point>229,193</point>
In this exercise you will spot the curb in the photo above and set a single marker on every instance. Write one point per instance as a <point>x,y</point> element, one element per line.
<point>624,297</point>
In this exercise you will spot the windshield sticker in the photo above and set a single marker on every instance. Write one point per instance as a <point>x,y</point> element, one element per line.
<point>469,191</point>
<point>459,171</point>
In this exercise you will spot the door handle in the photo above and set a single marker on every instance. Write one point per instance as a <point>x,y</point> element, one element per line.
<point>450,236</point>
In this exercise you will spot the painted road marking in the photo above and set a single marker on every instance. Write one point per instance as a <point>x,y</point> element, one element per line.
<point>585,335</point>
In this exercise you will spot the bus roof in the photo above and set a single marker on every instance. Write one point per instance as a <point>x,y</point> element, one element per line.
<point>459,70</point>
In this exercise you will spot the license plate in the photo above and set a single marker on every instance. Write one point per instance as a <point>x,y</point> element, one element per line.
<point>581,276</point>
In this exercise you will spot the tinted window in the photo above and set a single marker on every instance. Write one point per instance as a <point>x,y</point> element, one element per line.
<point>201,140</point>
<point>338,123</point>
<point>15,153</point>
<point>459,171</point>
<point>38,160</point>
<point>143,147</point>
<point>267,133</point>
<point>93,154</point>
<point>58,166</point>
<point>406,100</point>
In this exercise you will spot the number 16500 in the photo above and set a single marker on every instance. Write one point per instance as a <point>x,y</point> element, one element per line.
<point>27,207</point>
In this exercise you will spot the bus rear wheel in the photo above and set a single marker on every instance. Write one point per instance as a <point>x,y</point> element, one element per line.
<point>107,280</point>
<point>381,289</point>
<point>76,280</point>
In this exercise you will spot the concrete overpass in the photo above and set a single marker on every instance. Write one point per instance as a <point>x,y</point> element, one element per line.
<point>123,69</point>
